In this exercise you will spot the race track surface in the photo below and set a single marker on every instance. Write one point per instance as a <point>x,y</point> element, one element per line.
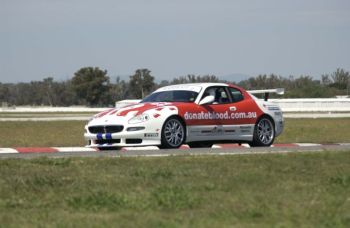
<point>218,150</point>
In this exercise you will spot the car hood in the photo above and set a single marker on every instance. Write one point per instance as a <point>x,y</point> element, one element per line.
<point>128,112</point>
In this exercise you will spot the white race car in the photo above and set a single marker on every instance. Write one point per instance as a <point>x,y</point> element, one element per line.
<point>198,114</point>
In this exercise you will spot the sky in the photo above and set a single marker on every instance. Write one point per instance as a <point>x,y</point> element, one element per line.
<point>55,38</point>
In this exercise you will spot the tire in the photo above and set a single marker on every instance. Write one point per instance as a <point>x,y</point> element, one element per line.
<point>200,144</point>
<point>264,133</point>
<point>173,133</point>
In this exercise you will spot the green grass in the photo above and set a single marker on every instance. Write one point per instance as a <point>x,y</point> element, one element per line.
<point>70,133</point>
<point>321,130</point>
<point>50,133</point>
<point>294,190</point>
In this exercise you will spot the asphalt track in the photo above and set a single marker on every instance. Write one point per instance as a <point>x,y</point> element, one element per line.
<point>63,152</point>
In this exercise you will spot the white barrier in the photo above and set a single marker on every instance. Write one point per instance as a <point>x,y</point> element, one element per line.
<point>314,104</point>
<point>36,109</point>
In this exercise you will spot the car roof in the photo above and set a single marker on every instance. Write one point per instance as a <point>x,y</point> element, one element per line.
<point>190,86</point>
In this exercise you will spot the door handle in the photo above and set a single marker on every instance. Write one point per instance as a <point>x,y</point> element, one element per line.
<point>233,108</point>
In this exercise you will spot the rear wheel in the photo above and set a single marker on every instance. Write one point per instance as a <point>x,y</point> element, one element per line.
<point>200,144</point>
<point>264,132</point>
<point>173,133</point>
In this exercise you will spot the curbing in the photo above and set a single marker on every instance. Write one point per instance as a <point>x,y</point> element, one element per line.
<point>183,147</point>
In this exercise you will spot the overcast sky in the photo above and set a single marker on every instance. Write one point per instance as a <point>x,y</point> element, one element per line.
<point>55,38</point>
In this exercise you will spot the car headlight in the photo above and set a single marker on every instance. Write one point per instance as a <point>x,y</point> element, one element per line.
<point>139,119</point>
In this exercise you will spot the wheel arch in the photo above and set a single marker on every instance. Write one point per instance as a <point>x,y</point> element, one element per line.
<point>181,120</point>
<point>254,143</point>
<point>267,116</point>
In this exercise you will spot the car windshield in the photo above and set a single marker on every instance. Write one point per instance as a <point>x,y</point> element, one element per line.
<point>171,96</point>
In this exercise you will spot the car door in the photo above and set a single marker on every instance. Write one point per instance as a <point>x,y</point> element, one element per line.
<point>207,122</point>
<point>244,113</point>
<point>229,117</point>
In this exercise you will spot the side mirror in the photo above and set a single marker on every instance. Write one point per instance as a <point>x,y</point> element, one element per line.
<point>207,100</point>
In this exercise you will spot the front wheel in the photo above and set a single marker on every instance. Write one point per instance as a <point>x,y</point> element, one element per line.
<point>173,133</point>
<point>264,132</point>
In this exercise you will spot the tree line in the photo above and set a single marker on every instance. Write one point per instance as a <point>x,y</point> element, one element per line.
<point>92,86</point>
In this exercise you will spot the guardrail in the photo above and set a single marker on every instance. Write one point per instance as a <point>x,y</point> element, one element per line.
<point>314,104</point>
<point>35,109</point>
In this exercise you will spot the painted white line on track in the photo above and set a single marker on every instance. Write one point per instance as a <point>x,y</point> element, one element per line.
<point>8,151</point>
<point>308,144</point>
<point>75,149</point>
<point>155,155</point>
<point>218,154</point>
<point>232,147</point>
<point>344,144</point>
<point>252,152</point>
<point>195,152</point>
<point>216,147</point>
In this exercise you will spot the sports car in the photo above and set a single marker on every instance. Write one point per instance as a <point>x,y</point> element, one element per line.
<point>198,115</point>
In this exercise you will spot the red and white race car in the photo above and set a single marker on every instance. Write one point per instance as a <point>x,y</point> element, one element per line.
<point>198,114</point>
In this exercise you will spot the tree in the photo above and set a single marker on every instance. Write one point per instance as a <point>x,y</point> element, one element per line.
<point>190,78</point>
<point>4,91</point>
<point>119,90</point>
<point>325,80</point>
<point>164,83</point>
<point>91,86</point>
<point>141,83</point>
<point>340,79</point>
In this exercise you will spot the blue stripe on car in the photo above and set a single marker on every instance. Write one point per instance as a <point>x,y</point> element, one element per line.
<point>108,136</point>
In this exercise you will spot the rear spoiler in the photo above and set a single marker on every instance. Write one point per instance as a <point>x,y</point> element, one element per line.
<point>279,91</point>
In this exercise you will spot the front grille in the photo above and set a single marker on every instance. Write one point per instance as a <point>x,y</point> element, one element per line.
<point>106,129</point>
<point>107,141</point>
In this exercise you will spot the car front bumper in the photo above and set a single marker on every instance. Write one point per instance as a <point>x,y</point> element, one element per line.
<point>123,139</point>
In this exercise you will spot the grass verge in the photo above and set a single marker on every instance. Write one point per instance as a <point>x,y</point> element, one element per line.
<point>321,130</point>
<point>50,133</point>
<point>306,189</point>
<point>70,133</point>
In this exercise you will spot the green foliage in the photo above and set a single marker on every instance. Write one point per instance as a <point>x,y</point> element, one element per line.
<point>141,83</point>
<point>119,90</point>
<point>303,86</point>
<point>341,79</point>
<point>194,79</point>
<point>91,85</point>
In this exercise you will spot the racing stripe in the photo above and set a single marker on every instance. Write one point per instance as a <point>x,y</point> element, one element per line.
<point>108,136</point>
<point>99,136</point>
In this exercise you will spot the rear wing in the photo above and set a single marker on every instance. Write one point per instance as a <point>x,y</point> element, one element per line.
<point>279,91</point>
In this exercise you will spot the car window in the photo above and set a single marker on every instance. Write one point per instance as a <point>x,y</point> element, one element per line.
<point>219,93</point>
<point>171,96</point>
<point>236,95</point>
